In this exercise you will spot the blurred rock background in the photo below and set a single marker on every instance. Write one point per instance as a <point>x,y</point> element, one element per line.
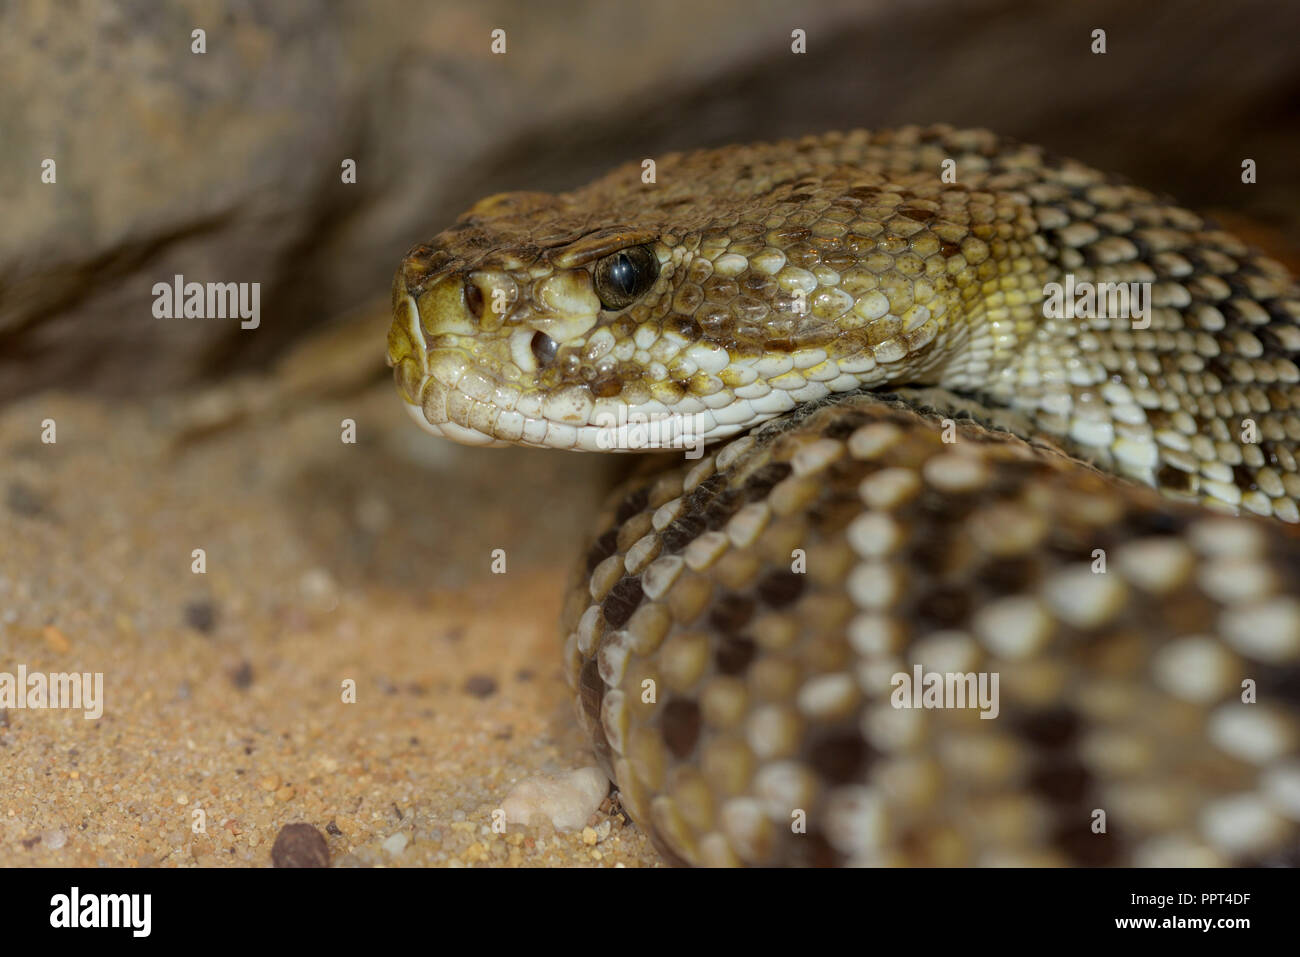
<point>226,166</point>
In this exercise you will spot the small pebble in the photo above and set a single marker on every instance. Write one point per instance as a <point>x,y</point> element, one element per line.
<point>395,844</point>
<point>201,616</point>
<point>24,500</point>
<point>481,686</point>
<point>56,639</point>
<point>242,675</point>
<point>319,590</point>
<point>54,839</point>
<point>300,845</point>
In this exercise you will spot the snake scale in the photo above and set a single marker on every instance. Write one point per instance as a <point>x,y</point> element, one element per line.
<point>914,469</point>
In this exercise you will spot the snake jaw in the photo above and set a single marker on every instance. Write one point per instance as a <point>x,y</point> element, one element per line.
<point>450,430</point>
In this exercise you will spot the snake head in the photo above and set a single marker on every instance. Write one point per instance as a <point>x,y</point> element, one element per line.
<point>739,285</point>
<point>503,334</point>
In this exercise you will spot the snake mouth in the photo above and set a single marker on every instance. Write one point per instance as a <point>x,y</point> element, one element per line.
<point>608,432</point>
<point>457,391</point>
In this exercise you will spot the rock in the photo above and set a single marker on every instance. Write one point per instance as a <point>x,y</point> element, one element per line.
<point>568,799</point>
<point>300,845</point>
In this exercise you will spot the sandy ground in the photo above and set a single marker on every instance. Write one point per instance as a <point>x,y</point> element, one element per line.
<point>223,691</point>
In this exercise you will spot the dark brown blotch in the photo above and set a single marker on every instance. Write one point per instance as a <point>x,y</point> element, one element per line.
<point>681,533</point>
<point>719,511</point>
<point>810,850</point>
<point>840,756</point>
<point>686,327</point>
<point>763,479</point>
<point>705,491</point>
<point>843,427</point>
<point>734,654</point>
<point>606,386</point>
<point>1244,478</point>
<point>601,549</point>
<point>1142,522</point>
<point>634,504</point>
<point>1051,728</point>
<point>1076,840</point>
<point>1278,683</point>
<point>1009,576</point>
<point>680,725</point>
<point>942,607</point>
<point>930,554</point>
<point>591,690</point>
<point>1065,781</point>
<point>1175,480</point>
<point>780,588</point>
<point>622,600</point>
<point>731,613</point>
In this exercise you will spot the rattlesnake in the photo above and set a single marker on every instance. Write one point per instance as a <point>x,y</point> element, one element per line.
<point>928,465</point>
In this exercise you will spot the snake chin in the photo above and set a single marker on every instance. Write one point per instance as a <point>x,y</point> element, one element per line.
<point>640,434</point>
<point>452,431</point>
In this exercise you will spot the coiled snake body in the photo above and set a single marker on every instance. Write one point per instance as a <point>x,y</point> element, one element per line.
<point>940,481</point>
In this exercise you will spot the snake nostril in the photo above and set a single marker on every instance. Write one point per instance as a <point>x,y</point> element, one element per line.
<point>544,347</point>
<point>474,299</point>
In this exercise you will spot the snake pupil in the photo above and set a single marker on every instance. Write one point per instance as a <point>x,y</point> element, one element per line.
<point>621,274</point>
<point>544,347</point>
<point>624,276</point>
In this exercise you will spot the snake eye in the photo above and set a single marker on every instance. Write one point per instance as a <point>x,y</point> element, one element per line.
<point>623,277</point>
<point>544,348</point>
